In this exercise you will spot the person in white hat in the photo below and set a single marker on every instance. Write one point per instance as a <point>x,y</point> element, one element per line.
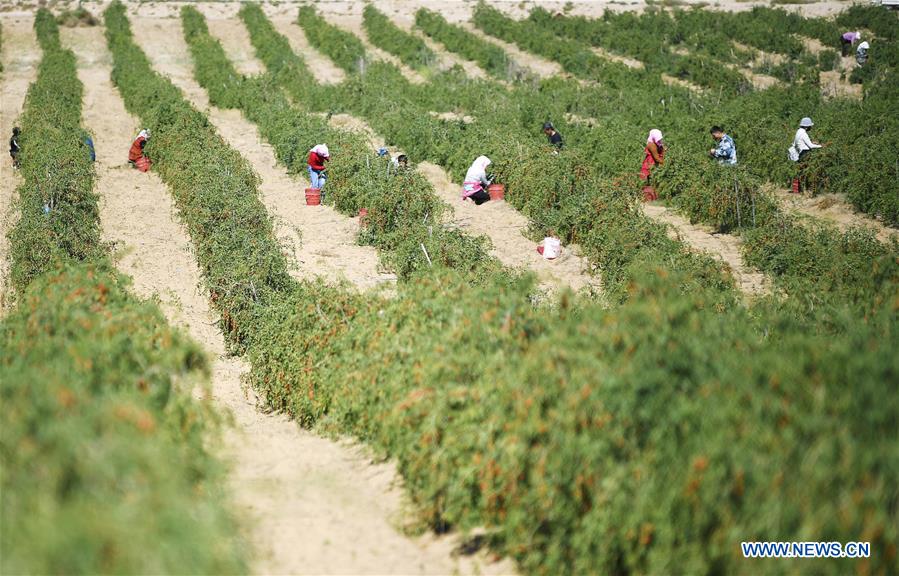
<point>802,145</point>
<point>861,54</point>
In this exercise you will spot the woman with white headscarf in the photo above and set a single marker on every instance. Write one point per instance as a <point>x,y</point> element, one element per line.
<point>137,147</point>
<point>653,154</point>
<point>318,155</point>
<point>476,181</point>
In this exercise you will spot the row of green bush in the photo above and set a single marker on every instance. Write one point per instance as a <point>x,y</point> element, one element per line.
<point>405,218</point>
<point>705,191</point>
<point>560,192</point>
<point>847,122</point>
<point>533,177</point>
<point>387,35</point>
<point>648,437</point>
<point>106,465</point>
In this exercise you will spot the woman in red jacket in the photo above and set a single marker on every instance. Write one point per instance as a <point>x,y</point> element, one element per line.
<point>317,158</point>
<point>137,147</point>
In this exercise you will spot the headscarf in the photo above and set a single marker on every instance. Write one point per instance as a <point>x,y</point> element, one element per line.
<point>321,150</point>
<point>145,133</point>
<point>864,46</point>
<point>478,170</point>
<point>655,136</point>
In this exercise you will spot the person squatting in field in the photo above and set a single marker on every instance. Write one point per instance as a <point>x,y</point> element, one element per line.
<point>318,155</point>
<point>653,154</point>
<point>476,181</point>
<point>799,152</point>
<point>861,54</point>
<point>14,147</point>
<point>847,40</point>
<point>137,147</point>
<point>725,151</point>
<point>555,139</point>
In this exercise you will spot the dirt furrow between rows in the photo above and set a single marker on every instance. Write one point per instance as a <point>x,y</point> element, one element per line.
<point>310,505</point>
<point>20,56</point>
<point>723,247</point>
<point>836,210</point>
<point>497,220</point>
<point>323,240</point>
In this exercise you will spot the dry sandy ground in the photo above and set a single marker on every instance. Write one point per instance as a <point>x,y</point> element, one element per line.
<point>20,57</point>
<point>311,505</point>
<point>323,239</point>
<point>834,208</point>
<point>497,220</point>
<point>723,247</point>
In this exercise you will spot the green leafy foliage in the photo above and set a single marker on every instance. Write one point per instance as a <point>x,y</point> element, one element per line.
<point>213,186</point>
<point>489,56</point>
<point>105,460</point>
<point>404,213</point>
<point>105,465</point>
<point>343,47</point>
<point>386,35</point>
<point>589,439</point>
<point>59,218</point>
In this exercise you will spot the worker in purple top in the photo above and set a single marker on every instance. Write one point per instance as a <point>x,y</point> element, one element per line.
<point>848,39</point>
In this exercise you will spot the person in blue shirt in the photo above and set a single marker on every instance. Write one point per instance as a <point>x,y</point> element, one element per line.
<point>725,151</point>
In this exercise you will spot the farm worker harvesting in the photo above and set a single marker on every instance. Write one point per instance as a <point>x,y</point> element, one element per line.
<point>401,161</point>
<point>318,155</point>
<point>653,154</point>
<point>725,151</point>
<point>848,39</point>
<point>476,180</point>
<point>14,147</point>
<point>555,139</point>
<point>861,54</point>
<point>137,147</point>
<point>800,148</point>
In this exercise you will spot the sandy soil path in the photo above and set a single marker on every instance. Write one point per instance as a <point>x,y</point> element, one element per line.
<point>505,227</point>
<point>311,505</point>
<point>235,39</point>
<point>723,247</point>
<point>498,221</point>
<point>834,208</point>
<point>323,239</point>
<point>20,56</point>
<point>353,23</point>
<point>540,67</point>
<point>835,83</point>
<point>326,72</point>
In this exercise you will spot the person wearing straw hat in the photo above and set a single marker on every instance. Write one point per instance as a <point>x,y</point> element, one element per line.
<point>799,151</point>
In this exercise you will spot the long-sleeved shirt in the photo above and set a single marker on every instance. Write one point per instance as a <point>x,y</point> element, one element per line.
<point>726,151</point>
<point>851,37</point>
<point>802,142</point>
<point>137,149</point>
<point>316,162</point>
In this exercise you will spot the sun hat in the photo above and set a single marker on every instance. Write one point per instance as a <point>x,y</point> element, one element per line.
<point>806,123</point>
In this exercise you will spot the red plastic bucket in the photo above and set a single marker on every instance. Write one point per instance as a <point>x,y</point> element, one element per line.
<point>649,194</point>
<point>497,191</point>
<point>313,196</point>
<point>142,163</point>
